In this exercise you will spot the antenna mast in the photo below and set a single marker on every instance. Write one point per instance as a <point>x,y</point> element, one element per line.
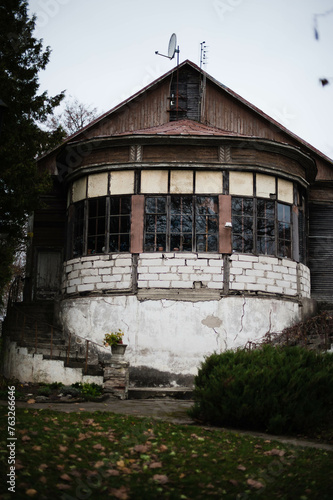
<point>203,62</point>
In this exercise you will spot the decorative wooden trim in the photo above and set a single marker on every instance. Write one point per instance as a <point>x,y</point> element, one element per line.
<point>137,223</point>
<point>225,243</point>
<point>132,153</point>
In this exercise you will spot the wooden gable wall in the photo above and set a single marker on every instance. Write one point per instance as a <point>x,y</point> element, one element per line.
<point>147,110</point>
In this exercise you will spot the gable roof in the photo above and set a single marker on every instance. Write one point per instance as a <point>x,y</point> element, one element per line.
<point>188,127</point>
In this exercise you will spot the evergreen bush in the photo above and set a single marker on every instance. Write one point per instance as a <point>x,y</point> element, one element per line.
<point>277,389</point>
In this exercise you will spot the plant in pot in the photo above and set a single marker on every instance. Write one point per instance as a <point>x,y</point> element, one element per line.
<point>115,341</point>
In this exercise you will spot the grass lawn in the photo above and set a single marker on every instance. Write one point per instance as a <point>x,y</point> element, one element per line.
<point>103,455</point>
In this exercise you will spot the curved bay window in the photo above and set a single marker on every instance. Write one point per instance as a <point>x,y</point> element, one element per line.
<point>261,226</point>
<point>181,223</point>
<point>101,225</point>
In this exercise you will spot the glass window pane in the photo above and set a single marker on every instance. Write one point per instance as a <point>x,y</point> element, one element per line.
<point>181,205</point>
<point>265,208</point>
<point>175,243</point>
<point>119,224</point>
<point>213,224</point>
<point>206,205</point>
<point>212,243</point>
<point>149,243</point>
<point>201,243</point>
<point>101,225</point>
<point>284,249</point>
<point>125,224</point>
<point>160,242</point>
<point>125,205</point>
<point>114,205</point>
<point>114,224</point>
<point>156,205</point>
<point>93,208</point>
<point>124,243</point>
<point>284,212</point>
<point>187,243</point>
<point>284,231</point>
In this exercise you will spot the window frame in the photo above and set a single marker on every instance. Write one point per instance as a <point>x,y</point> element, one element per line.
<point>255,222</point>
<point>169,234</point>
<point>74,235</point>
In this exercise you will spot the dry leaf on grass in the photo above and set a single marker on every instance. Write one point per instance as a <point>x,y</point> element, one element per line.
<point>255,484</point>
<point>161,478</point>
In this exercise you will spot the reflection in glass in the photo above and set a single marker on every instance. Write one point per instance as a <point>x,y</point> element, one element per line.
<point>242,225</point>
<point>284,230</point>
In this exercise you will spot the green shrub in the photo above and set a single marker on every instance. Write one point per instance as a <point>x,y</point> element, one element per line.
<point>70,390</point>
<point>278,389</point>
<point>88,391</point>
<point>44,390</point>
<point>56,385</point>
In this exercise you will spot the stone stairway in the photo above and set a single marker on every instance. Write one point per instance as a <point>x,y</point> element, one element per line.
<point>31,325</point>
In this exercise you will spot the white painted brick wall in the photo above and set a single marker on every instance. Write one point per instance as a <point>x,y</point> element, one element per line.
<point>180,270</point>
<point>172,270</point>
<point>268,274</point>
<point>98,272</point>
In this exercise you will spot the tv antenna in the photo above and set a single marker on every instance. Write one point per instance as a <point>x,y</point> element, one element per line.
<point>172,49</point>
<point>203,54</point>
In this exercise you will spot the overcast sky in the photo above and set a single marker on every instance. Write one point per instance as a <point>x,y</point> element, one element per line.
<point>103,51</point>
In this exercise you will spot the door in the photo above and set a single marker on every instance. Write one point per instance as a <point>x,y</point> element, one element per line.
<point>48,276</point>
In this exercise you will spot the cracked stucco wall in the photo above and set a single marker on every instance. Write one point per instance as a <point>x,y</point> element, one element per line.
<point>174,336</point>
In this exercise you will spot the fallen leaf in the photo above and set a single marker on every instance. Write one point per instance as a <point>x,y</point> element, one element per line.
<point>255,484</point>
<point>36,448</point>
<point>31,492</point>
<point>121,493</point>
<point>233,482</point>
<point>126,470</point>
<point>89,421</point>
<point>60,467</point>
<point>155,465</point>
<point>120,463</point>
<point>99,464</point>
<point>113,472</point>
<point>47,429</point>
<point>65,477</point>
<point>43,467</point>
<point>163,447</point>
<point>26,438</point>
<point>63,448</point>
<point>43,479</point>
<point>98,447</point>
<point>141,448</point>
<point>275,452</point>
<point>62,486</point>
<point>160,478</point>
<point>31,402</point>
<point>181,475</point>
<point>241,467</point>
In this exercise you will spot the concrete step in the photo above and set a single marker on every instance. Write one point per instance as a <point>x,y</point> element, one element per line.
<point>185,393</point>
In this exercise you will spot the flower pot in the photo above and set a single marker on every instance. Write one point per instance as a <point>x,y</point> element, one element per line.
<point>118,349</point>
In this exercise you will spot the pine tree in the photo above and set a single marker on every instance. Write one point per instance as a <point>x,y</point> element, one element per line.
<point>22,137</point>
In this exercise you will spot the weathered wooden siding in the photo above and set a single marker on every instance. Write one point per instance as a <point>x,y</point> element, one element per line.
<point>321,250</point>
<point>147,110</point>
<point>224,111</point>
<point>161,153</point>
<point>110,155</point>
<point>50,223</point>
<point>267,159</point>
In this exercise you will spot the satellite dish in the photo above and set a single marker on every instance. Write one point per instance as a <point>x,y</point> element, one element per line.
<point>172,46</point>
<point>172,49</point>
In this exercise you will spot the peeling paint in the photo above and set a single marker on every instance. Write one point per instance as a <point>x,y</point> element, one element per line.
<point>212,322</point>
